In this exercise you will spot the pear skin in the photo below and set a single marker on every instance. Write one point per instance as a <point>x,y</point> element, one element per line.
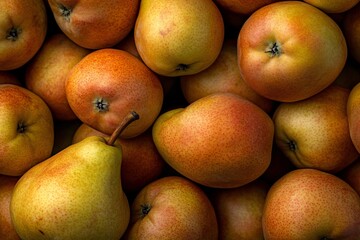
<point>76,194</point>
<point>315,132</point>
<point>288,71</point>
<point>172,207</point>
<point>311,204</point>
<point>27,130</point>
<point>178,37</point>
<point>221,140</point>
<point>108,83</point>
<point>239,210</point>
<point>7,231</point>
<point>23,27</point>
<point>95,24</point>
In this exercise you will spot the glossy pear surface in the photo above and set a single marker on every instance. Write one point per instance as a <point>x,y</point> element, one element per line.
<point>75,194</point>
<point>221,140</point>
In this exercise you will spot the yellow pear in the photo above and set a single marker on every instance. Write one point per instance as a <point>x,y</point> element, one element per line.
<point>27,130</point>
<point>176,37</point>
<point>75,194</point>
<point>315,132</point>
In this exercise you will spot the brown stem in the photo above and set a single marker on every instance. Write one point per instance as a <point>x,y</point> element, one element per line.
<point>132,116</point>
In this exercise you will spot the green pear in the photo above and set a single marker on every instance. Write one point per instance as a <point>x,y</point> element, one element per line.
<point>75,194</point>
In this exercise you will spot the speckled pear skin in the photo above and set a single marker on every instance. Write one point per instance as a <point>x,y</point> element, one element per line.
<point>311,204</point>
<point>221,140</point>
<point>75,194</point>
<point>176,38</point>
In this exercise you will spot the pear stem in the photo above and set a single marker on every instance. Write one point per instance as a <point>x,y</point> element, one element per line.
<point>132,116</point>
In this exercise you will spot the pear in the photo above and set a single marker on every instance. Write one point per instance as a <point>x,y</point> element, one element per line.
<point>176,38</point>
<point>75,194</point>
<point>221,140</point>
<point>311,204</point>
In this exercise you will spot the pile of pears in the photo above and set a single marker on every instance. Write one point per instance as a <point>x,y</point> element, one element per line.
<point>195,78</point>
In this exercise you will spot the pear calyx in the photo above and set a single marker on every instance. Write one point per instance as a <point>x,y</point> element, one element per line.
<point>21,127</point>
<point>13,34</point>
<point>101,105</point>
<point>145,209</point>
<point>182,67</point>
<point>292,145</point>
<point>65,12</point>
<point>132,116</point>
<point>274,49</point>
